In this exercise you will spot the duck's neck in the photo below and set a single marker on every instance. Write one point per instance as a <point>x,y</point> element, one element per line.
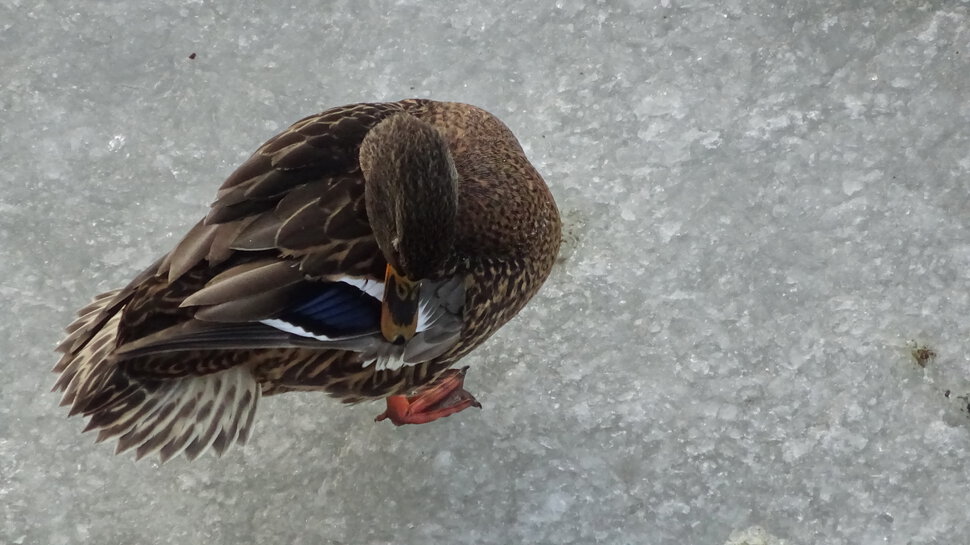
<point>411,193</point>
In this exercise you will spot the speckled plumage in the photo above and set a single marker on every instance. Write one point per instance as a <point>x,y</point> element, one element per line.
<point>289,220</point>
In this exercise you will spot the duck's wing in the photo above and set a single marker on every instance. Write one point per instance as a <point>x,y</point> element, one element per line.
<point>291,257</point>
<point>270,206</point>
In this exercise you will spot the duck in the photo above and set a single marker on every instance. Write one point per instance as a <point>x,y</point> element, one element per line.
<point>362,252</point>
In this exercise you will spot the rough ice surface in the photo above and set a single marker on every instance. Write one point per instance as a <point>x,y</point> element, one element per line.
<point>765,203</point>
<point>753,536</point>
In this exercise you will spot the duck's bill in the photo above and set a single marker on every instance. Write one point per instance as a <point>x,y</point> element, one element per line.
<point>399,310</point>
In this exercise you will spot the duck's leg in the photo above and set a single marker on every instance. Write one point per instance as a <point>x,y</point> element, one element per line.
<point>443,397</point>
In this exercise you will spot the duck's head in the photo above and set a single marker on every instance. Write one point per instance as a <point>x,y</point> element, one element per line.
<point>412,200</point>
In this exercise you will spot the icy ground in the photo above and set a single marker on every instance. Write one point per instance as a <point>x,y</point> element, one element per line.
<point>766,201</point>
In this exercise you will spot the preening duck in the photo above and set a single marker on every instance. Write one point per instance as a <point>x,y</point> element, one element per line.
<point>361,252</point>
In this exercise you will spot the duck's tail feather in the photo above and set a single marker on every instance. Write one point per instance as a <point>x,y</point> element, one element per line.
<point>187,415</point>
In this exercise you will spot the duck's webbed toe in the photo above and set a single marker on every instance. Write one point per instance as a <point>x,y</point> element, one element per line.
<point>443,397</point>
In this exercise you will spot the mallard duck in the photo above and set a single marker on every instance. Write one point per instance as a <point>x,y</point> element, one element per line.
<point>361,252</point>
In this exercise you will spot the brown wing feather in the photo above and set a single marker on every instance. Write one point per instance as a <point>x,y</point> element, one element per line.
<point>292,213</point>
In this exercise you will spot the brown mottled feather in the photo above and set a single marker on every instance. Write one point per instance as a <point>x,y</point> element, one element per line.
<point>292,214</point>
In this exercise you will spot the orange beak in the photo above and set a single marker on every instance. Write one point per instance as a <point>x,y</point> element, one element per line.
<point>399,310</point>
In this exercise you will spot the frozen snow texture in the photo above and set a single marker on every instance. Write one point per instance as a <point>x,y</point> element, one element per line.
<point>755,535</point>
<point>765,202</point>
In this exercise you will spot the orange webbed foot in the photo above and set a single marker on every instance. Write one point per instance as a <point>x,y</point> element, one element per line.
<point>443,397</point>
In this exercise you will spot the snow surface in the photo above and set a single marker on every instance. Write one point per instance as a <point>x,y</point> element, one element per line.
<point>766,201</point>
